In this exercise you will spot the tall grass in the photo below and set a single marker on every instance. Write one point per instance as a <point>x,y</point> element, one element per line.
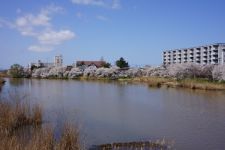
<point>3,74</point>
<point>1,81</point>
<point>196,83</point>
<point>153,81</point>
<point>201,84</point>
<point>21,128</point>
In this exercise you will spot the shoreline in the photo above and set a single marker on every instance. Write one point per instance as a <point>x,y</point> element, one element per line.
<point>188,83</point>
<point>2,81</point>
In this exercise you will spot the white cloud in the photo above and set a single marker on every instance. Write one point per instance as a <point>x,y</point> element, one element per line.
<point>28,23</point>
<point>40,48</point>
<point>89,2</point>
<point>55,37</point>
<point>114,4</point>
<point>102,18</point>
<point>39,27</point>
<point>6,23</point>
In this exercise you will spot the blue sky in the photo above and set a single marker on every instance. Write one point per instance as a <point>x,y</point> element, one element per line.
<point>138,30</point>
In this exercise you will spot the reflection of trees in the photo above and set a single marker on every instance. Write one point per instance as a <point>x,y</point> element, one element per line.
<point>1,84</point>
<point>16,82</point>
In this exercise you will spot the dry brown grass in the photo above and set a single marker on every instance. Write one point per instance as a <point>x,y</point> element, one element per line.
<point>1,81</point>
<point>201,84</point>
<point>185,83</point>
<point>153,81</point>
<point>3,74</point>
<point>14,116</point>
<point>69,139</point>
<point>21,129</point>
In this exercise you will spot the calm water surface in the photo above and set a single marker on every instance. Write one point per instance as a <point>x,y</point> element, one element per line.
<point>112,112</point>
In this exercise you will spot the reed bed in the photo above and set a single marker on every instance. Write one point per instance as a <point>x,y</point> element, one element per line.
<point>201,84</point>
<point>1,81</point>
<point>153,81</point>
<point>22,128</point>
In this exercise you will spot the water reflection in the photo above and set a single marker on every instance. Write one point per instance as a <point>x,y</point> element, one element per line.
<point>16,82</point>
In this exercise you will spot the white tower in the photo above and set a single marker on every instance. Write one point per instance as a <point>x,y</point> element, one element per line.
<point>58,62</point>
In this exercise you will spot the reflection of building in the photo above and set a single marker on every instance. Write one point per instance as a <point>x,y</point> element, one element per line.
<point>209,54</point>
<point>58,62</point>
<point>98,64</point>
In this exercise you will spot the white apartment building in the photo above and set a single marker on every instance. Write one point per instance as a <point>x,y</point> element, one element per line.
<point>208,54</point>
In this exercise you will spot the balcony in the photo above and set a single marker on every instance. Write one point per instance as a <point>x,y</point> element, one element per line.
<point>214,58</point>
<point>204,54</point>
<point>214,62</point>
<point>214,53</point>
<point>191,55</point>
<point>214,49</point>
<point>198,54</point>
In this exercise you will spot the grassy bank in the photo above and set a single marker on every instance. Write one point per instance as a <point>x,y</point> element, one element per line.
<point>3,74</point>
<point>201,84</point>
<point>21,128</point>
<point>1,81</point>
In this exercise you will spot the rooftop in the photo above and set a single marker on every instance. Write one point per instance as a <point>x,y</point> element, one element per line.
<point>195,47</point>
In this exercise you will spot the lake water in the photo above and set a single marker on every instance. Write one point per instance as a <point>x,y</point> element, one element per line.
<point>115,112</point>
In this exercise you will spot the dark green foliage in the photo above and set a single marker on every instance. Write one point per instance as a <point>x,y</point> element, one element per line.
<point>106,65</point>
<point>33,67</point>
<point>122,63</point>
<point>16,71</point>
<point>79,64</point>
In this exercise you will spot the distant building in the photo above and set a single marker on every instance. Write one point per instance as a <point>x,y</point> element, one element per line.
<point>58,61</point>
<point>41,64</point>
<point>98,64</point>
<point>208,54</point>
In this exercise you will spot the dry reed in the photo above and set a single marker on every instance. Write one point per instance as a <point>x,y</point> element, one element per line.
<point>17,116</point>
